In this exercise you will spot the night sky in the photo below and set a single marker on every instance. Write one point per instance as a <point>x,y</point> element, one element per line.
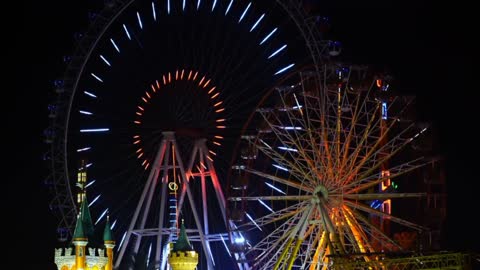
<point>427,45</point>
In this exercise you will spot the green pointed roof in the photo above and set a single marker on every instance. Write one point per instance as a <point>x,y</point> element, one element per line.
<point>79,232</point>
<point>182,243</point>
<point>86,218</point>
<point>107,232</point>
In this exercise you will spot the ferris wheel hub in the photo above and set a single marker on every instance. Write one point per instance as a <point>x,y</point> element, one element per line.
<point>320,193</point>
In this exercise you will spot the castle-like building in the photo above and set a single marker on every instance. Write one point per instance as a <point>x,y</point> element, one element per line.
<point>84,254</point>
<point>182,256</point>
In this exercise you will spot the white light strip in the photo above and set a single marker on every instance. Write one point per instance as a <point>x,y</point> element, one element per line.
<point>277,51</point>
<point>214,4</point>
<point>266,206</point>
<point>287,149</point>
<point>101,216</point>
<point>105,60</point>
<point>91,183</point>
<point>229,6</point>
<point>85,112</point>
<point>94,200</point>
<point>285,68</point>
<point>83,149</point>
<point>121,241</point>
<point>251,219</point>
<point>168,6</point>
<point>268,36</point>
<point>94,130</point>
<point>89,94</point>
<point>280,167</point>
<point>139,20</point>
<point>226,247</point>
<point>115,45</point>
<point>154,13</point>
<point>96,77</point>
<point>257,22</point>
<point>275,188</point>
<point>245,12</point>
<point>113,224</point>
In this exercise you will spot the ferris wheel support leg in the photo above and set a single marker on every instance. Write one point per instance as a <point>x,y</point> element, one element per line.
<point>184,187</point>
<point>198,222</point>
<point>163,196</point>
<point>149,183</point>
<point>216,184</point>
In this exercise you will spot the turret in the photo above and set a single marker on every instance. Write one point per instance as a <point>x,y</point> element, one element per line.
<point>182,256</point>
<point>80,242</point>
<point>109,244</point>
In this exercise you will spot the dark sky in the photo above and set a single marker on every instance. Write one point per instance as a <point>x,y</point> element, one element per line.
<point>427,44</point>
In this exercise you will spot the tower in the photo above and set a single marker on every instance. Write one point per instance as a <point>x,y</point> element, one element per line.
<point>182,256</point>
<point>109,243</point>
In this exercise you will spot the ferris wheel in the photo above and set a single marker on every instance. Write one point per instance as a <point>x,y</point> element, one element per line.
<point>145,70</point>
<point>318,169</point>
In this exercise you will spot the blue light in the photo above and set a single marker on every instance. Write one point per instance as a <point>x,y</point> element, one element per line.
<point>266,206</point>
<point>153,12</point>
<point>101,216</point>
<point>268,36</point>
<point>275,188</point>
<point>88,165</point>
<point>89,94</point>
<point>245,12</point>
<point>214,4</point>
<point>121,241</point>
<point>113,224</point>
<point>94,130</point>
<point>126,32</point>
<point>94,200</point>
<point>105,60</point>
<point>253,221</point>
<point>280,167</point>
<point>384,110</point>
<point>139,20</point>
<point>229,6</point>
<point>198,4</point>
<point>257,22</point>
<point>91,183</point>
<point>183,5</point>
<point>287,149</point>
<point>277,51</point>
<point>168,6</point>
<point>283,69</point>
<point>96,77</point>
<point>115,45</point>
<point>84,149</point>
<point>85,112</point>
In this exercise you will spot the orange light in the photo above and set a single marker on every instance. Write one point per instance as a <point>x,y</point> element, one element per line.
<point>214,96</point>
<point>137,122</point>
<point>138,113</point>
<point>146,167</point>
<point>203,165</point>
<point>211,90</point>
<point>164,80</point>
<point>221,126</point>
<point>218,103</point>
<point>141,108</point>
<point>144,99</point>
<point>148,95</point>
<point>220,110</point>
<point>136,142</point>
<point>209,158</point>
<point>136,136</point>
<point>153,88</point>
<point>158,84</point>
<point>213,153</point>
<point>139,150</point>
<point>205,85</point>
<point>200,83</point>
<point>176,75</point>
<point>219,137</point>
<point>139,156</point>
<point>379,83</point>
<point>189,75</point>
<point>143,163</point>
<point>169,77</point>
<point>181,76</point>
<point>195,76</point>
<point>217,143</point>
<point>220,120</point>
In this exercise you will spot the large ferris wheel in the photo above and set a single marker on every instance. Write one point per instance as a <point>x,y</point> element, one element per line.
<point>318,169</point>
<point>145,70</point>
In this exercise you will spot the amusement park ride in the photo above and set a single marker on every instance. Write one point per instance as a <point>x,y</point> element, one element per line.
<point>296,160</point>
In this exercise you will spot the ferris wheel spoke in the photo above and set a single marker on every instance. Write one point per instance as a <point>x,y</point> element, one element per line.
<point>360,239</point>
<point>379,196</point>
<point>273,198</point>
<point>363,184</point>
<point>277,215</point>
<point>365,208</point>
<point>372,229</point>
<point>287,182</point>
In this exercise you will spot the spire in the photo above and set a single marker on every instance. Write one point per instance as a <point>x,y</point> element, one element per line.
<point>86,218</point>
<point>182,243</point>
<point>107,232</point>
<point>79,232</point>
